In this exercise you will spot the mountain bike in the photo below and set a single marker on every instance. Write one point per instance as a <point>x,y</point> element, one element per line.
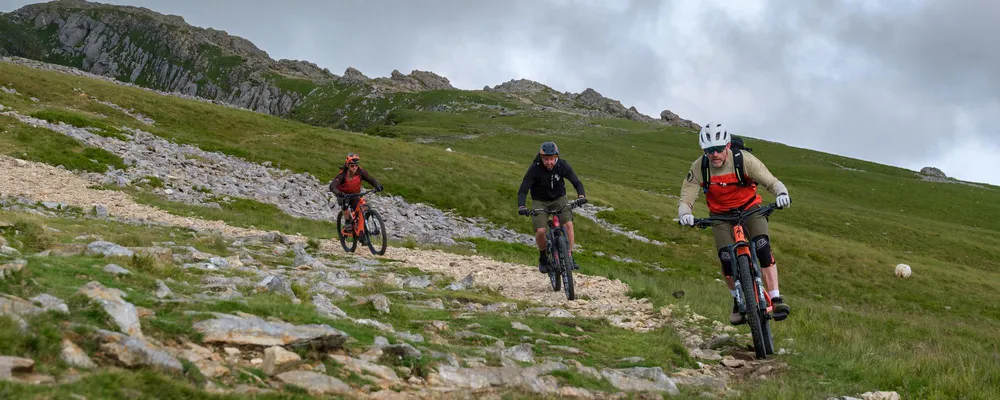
<point>557,250</point>
<point>367,228</point>
<point>753,301</point>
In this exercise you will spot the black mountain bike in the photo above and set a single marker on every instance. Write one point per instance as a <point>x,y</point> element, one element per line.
<point>368,229</point>
<point>753,301</point>
<point>557,249</point>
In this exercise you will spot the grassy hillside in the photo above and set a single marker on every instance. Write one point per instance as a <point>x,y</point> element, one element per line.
<point>854,327</point>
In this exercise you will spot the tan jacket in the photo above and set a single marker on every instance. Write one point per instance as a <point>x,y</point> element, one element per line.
<point>724,193</point>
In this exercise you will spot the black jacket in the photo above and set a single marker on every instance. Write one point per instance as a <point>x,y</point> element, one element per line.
<point>547,185</point>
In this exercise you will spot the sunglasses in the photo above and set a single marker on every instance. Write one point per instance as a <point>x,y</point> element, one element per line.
<point>715,149</point>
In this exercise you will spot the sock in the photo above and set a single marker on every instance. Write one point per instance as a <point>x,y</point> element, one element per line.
<point>733,292</point>
<point>773,294</point>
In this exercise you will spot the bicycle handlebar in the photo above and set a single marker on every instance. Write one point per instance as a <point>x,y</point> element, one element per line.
<point>359,194</point>
<point>573,204</point>
<point>737,218</point>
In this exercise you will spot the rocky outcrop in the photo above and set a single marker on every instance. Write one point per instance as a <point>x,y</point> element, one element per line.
<point>589,102</point>
<point>614,108</point>
<point>519,86</point>
<point>139,46</point>
<point>353,75</point>
<point>415,81</point>
<point>673,119</point>
<point>933,172</point>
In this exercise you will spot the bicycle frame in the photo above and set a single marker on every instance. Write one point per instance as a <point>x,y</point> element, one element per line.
<point>743,247</point>
<point>353,215</point>
<point>555,226</point>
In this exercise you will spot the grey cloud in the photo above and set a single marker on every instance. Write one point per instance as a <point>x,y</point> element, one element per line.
<point>885,81</point>
<point>913,71</point>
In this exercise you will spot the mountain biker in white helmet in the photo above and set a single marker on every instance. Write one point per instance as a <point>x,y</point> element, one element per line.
<point>726,192</point>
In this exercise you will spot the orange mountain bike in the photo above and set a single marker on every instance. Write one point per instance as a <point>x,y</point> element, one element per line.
<point>753,301</point>
<point>367,228</point>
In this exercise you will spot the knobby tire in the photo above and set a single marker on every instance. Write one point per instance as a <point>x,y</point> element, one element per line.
<point>381,232</point>
<point>750,302</point>
<point>554,277</point>
<point>567,266</point>
<point>342,238</point>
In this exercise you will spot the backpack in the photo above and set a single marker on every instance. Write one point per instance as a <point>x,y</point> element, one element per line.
<point>737,148</point>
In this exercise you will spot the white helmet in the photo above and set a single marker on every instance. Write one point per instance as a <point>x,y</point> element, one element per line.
<point>713,135</point>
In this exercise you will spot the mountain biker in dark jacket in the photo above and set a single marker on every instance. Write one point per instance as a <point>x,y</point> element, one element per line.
<point>348,181</point>
<point>545,179</point>
<point>723,195</point>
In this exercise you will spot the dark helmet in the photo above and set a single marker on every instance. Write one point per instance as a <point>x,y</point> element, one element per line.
<point>549,149</point>
<point>352,159</point>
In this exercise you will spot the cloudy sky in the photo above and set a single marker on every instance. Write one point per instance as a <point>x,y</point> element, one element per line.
<point>909,83</point>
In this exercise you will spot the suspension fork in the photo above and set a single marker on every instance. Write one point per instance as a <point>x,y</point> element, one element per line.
<point>742,247</point>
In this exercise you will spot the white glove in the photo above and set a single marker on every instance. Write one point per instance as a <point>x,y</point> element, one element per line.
<point>783,201</point>
<point>686,219</point>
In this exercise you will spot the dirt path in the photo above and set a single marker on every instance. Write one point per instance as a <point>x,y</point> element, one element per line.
<point>607,298</point>
<point>602,297</point>
<point>44,182</point>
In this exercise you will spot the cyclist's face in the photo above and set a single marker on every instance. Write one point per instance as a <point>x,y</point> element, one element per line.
<point>549,161</point>
<point>717,158</point>
<point>352,167</point>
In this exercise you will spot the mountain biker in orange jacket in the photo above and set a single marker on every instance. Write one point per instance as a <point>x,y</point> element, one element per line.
<point>545,179</point>
<point>348,181</point>
<point>724,194</point>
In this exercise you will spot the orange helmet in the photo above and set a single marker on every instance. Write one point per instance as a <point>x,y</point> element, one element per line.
<point>352,159</point>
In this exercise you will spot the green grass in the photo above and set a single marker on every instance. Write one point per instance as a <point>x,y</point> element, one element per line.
<point>242,213</point>
<point>42,145</point>
<point>836,246</point>
<point>293,84</point>
<point>126,385</point>
<point>78,120</point>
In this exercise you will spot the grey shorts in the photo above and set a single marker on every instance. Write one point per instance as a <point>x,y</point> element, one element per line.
<point>723,231</point>
<point>541,220</point>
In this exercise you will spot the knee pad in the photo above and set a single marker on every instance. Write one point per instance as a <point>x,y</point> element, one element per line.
<point>764,256</point>
<point>724,258</point>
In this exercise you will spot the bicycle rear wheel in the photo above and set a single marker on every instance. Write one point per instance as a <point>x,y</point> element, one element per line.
<point>342,238</point>
<point>566,262</point>
<point>375,230</point>
<point>750,301</point>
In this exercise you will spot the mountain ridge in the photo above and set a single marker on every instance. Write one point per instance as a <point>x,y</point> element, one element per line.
<point>164,52</point>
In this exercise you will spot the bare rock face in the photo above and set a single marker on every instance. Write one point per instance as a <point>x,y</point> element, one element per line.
<point>252,330</point>
<point>125,315</point>
<point>416,81</point>
<point>163,52</point>
<point>518,86</point>
<point>353,75</point>
<point>316,383</point>
<point>136,351</point>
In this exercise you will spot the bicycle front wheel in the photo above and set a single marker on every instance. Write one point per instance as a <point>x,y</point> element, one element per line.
<point>566,262</point>
<point>750,301</point>
<point>375,230</point>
